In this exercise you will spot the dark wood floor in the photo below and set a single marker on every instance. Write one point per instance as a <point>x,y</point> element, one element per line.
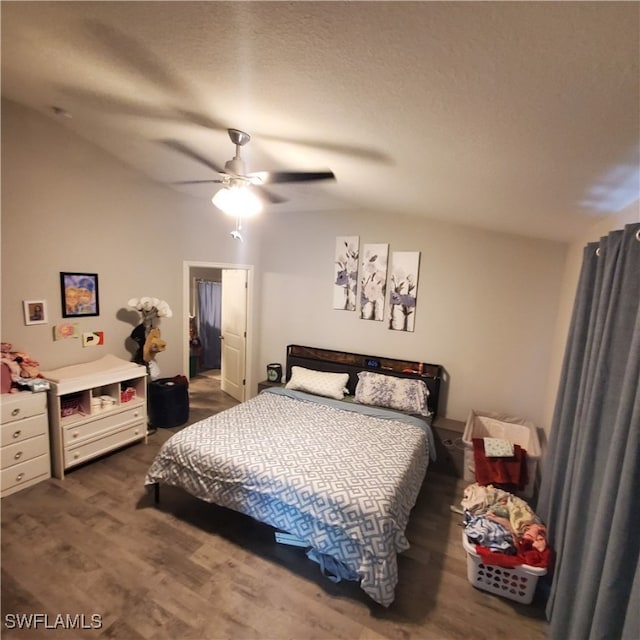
<point>94,543</point>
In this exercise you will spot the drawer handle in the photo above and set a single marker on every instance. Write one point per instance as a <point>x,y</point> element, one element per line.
<point>19,477</point>
<point>16,434</point>
<point>18,455</point>
<point>75,434</point>
<point>15,412</point>
<point>76,455</point>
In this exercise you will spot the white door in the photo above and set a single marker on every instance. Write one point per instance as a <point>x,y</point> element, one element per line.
<point>234,333</point>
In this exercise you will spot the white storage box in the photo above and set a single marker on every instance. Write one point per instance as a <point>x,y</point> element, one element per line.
<point>498,425</point>
<point>516,583</point>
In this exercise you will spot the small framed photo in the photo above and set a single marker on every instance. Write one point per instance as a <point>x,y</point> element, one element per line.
<point>35,311</point>
<point>79,292</point>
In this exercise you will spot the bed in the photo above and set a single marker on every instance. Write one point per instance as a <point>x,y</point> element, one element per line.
<point>334,472</point>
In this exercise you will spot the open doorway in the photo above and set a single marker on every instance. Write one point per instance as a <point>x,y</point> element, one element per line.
<point>217,325</point>
<point>205,322</point>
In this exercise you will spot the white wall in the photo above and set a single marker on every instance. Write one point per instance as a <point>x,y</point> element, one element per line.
<point>487,304</point>
<point>68,206</point>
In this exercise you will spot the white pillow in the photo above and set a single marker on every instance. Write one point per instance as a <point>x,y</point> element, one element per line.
<point>403,394</point>
<point>322,383</point>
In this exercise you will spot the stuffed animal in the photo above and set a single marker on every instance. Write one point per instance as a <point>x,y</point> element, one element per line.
<point>153,344</point>
<point>19,366</point>
<point>29,368</point>
<point>7,368</point>
<point>148,345</point>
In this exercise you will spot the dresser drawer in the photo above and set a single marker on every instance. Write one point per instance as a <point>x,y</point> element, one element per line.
<point>101,426</point>
<point>25,473</point>
<point>25,450</point>
<point>24,429</point>
<point>77,454</point>
<point>16,406</point>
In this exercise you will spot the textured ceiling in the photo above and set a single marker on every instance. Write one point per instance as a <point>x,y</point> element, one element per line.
<point>522,117</point>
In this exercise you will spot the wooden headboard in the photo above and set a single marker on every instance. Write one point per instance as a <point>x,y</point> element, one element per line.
<point>353,363</point>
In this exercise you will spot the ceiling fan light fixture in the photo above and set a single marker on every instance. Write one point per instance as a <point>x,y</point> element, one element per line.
<point>237,201</point>
<point>243,194</point>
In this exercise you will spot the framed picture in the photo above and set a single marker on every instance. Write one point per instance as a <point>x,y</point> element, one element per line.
<point>35,311</point>
<point>79,293</point>
<point>373,281</point>
<point>345,273</point>
<point>405,266</point>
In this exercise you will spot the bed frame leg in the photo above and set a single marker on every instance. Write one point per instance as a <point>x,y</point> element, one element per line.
<point>156,493</point>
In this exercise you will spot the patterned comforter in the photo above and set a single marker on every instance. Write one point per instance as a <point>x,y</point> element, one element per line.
<point>342,480</point>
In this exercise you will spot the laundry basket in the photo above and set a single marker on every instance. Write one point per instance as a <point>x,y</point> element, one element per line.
<point>516,583</point>
<point>168,402</point>
<point>498,425</point>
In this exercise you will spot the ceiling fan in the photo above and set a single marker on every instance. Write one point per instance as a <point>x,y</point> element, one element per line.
<point>235,178</point>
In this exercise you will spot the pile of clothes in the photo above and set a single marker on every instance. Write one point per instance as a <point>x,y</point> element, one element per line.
<point>494,465</point>
<point>505,530</point>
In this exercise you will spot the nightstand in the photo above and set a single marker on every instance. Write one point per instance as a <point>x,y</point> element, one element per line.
<point>449,447</point>
<point>265,384</point>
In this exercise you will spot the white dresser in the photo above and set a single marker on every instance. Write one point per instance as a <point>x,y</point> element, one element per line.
<point>94,409</point>
<point>24,451</point>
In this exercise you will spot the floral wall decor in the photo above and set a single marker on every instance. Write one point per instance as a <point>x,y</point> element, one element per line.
<point>66,330</point>
<point>346,273</point>
<point>403,289</point>
<point>373,281</point>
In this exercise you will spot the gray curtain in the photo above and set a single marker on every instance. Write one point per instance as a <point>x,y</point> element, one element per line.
<point>209,323</point>
<point>590,489</point>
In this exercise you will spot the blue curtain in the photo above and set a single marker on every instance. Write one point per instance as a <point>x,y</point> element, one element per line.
<point>209,322</point>
<point>589,496</point>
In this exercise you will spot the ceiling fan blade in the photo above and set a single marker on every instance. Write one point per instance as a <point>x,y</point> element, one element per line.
<point>268,196</point>
<point>197,181</point>
<point>182,148</point>
<point>134,57</point>
<point>202,120</point>
<point>273,177</point>
<point>353,151</point>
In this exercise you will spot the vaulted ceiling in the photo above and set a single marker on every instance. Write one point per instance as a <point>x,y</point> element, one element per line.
<point>515,116</point>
